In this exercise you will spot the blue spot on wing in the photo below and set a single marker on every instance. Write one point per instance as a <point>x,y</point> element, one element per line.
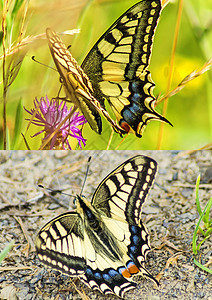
<point>137,242</point>
<point>133,229</point>
<point>136,239</point>
<point>133,249</point>
<point>111,278</point>
<point>107,277</point>
<point>98,275</point>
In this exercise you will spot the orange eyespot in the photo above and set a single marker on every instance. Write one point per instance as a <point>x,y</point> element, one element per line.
<point>126,273</point>
<point>125,126</point>
<point>133,269</point>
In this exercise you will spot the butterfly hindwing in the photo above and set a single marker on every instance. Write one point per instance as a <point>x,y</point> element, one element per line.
<point>104,242</point>
<point>65,246</point>
<point>122,193</point>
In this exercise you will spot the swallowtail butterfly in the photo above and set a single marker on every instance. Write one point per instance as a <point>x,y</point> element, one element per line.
<point>115,70</point>
<point>104,242</point>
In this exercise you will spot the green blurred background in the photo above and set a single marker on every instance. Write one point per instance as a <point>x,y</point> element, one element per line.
<point>190,111</point>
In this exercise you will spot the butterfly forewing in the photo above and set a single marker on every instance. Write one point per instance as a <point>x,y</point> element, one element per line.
<point>122,193</point>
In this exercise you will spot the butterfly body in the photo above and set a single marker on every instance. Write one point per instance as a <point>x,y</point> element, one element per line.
<point>115,70</point>
<point>104,242</point>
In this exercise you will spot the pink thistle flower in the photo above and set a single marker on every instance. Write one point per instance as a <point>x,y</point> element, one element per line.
<point>50,114</point>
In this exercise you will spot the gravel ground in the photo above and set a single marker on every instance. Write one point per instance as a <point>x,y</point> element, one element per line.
<point>169,213</point>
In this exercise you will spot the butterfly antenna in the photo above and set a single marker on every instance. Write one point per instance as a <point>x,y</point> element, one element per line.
<point>86,174</point>
<point>53,192</point>
<point>40,63</point>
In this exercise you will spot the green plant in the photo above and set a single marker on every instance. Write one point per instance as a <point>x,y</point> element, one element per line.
<point>204,216</point>
<point>6,250</point>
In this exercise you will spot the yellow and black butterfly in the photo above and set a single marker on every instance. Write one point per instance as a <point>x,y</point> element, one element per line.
<point>104,242</point>
<point>115,70</point>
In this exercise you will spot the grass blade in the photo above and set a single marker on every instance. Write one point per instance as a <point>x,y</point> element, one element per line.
<point>202,267</point>
<point>6,250</point>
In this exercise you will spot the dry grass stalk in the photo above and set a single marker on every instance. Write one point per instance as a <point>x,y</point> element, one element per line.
<point>187,79</point>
